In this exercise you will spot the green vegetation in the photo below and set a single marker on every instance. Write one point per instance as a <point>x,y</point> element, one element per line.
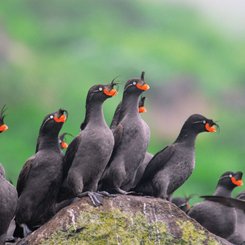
<point>122,228</point>
<point>53,51</point>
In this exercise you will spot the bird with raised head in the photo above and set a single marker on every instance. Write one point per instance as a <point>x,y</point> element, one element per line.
<point>173,165</point>
<point>89,153</point>
<point>131,141</point>
<point>41,176</point>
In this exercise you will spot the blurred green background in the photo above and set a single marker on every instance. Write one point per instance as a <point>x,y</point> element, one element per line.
<point>193,54</point>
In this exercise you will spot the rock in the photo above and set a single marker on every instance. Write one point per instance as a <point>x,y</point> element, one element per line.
<point>122,220</point>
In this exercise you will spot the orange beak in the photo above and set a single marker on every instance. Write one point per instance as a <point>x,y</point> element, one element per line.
<point>63,145</point>
<point>142,109</point>
<point>143,87</point>
<point>236,182</point>
<point>60,119</point>
<point>211,129</point>
<point>110,93</point>
<point>3,128</point>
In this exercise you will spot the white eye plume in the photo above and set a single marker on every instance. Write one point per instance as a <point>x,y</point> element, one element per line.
<point>51,116</point>
<point>100,88</point>
<point>134,83</point>
<point>204,121</point>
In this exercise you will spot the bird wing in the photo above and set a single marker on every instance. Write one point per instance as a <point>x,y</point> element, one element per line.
<point>70,154</point>
<point>158,162</point>
<point>23,176</point>
<point>117,133</point>
<point>227,201</point>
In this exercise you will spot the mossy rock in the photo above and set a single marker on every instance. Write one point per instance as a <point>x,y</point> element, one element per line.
<point>122,220</point>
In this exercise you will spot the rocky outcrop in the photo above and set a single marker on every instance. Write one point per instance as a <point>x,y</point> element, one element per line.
<point>122,220</point>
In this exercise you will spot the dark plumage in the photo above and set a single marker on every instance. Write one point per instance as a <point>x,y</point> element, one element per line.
<point>131,141</point>
<point>8,203</point>
<point>173,165</point>
<point>238,236</point>
<point>41,176</point>
<point>182,202</point>
<point>148,156</point>
<point>88,154</point>
<point>214,216</point>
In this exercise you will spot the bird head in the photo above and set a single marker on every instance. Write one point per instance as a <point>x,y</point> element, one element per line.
<point>136,85</point>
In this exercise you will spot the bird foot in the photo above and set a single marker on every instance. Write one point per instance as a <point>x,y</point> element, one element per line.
<point>10,239</point>
<point>120,191</point>
<point>95,198</point>
<point>106,194</point>
<point>26,230</point>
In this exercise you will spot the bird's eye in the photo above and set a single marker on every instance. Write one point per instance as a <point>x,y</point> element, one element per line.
<point>204,121</point>
<point>134,83</point>
<point>51,117</point>
<point>100,88</point>
<point>230,175</point>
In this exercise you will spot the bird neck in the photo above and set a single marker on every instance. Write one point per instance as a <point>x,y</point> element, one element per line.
<point>94,114</point>
<point>116,116</point>
<point>130,104</point>
<point>222,191</point>
<point>47,142</point>
<point>186,136</point>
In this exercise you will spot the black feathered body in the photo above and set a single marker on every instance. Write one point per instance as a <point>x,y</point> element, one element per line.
<point>38,186</point>
<point>141,169</point>
<point>173,165</point>
<point>215,213</point>
<point>238,237</point>
<point>143,164</point>
<point>129,153</point>
<point>176,171</point>
<point>168,170</point>
<point>215,217</point>
<point>239,233</point>
<point>94,147</point>
<point>8,203</point>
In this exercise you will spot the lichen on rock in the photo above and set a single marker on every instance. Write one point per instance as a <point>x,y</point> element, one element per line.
<point>122,220</point>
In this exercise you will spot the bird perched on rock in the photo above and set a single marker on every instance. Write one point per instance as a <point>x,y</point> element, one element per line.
<point>89,153</point>
<point>238,203</point>
<point>41,176</point>
<point>8,194</point>
<point>131,141</point>
<point>214,216</point>
<point>148,156</point>
<point>173,165</point>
